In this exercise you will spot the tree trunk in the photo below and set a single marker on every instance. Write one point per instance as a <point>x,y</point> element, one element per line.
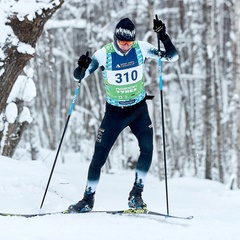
<point>207,8</point>
<point>13,133</point>
<point>27,32</point>
<point>237,72</point>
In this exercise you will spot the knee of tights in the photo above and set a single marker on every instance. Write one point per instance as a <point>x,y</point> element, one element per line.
<point>99,157</point>
<point>146,142</point>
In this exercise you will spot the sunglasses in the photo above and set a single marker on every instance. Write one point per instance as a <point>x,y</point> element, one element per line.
<point>128,43</point>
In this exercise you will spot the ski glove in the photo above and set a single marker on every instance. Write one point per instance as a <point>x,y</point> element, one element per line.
<point>84,61</point>
<point>160,28</point>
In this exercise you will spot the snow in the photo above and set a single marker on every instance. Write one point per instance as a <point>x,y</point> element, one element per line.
<point>21,9</point>
<point>11,112</point>
<point>25,116</point>
<point>22,184</point>
<point>24,89</point>
<point>25,48</point>
<point>27,8</point>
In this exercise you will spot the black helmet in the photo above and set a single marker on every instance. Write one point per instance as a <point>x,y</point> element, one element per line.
<point>125,30</point>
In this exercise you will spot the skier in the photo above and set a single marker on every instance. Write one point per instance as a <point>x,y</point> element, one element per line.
<point>122,65</point>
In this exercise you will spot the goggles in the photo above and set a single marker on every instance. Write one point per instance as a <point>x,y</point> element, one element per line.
<point>128,43</point>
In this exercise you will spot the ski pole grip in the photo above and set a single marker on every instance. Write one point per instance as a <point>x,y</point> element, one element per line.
<point>83,70</point>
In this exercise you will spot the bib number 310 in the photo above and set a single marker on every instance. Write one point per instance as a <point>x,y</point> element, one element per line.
<point>126,77</point>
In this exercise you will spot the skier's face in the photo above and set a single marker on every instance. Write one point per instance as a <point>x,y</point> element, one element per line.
<point>124,45</point>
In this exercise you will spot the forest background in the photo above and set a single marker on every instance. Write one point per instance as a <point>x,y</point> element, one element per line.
<point>201,90</point>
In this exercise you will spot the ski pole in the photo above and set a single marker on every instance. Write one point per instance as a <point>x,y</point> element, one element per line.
<point>81,75</point>
<point>162,110</point>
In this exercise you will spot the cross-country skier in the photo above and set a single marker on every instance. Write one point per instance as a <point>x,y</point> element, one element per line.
<point>122,65</point>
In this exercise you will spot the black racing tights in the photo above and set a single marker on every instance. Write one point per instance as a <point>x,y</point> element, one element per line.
<point>114,121</point>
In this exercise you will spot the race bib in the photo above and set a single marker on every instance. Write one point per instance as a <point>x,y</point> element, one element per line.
<point>125,77</point>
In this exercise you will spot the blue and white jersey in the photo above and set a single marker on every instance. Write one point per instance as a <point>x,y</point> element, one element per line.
<point>123,74</point>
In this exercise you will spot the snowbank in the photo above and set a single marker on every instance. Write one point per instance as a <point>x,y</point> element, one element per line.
<point>22,183</point>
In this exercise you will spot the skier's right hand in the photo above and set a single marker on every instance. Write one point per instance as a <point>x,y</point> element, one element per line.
<point>84,61</point>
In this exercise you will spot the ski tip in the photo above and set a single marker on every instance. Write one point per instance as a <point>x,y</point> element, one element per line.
<point>66,211</point>
<point>179,217</point>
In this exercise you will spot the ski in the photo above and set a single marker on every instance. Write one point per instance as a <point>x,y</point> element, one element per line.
<point>143,212</point>
<point>120,212</point>
<point>29,215</point>
<point>147,212</point>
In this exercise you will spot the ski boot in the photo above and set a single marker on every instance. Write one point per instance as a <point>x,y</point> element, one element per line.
<point>135,198</point>
<point>85,205</point>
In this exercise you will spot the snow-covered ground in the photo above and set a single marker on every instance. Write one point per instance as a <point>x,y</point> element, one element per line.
<point>216,209</point>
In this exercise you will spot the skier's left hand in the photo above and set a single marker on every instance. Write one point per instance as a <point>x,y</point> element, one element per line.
<point>160,28</point>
